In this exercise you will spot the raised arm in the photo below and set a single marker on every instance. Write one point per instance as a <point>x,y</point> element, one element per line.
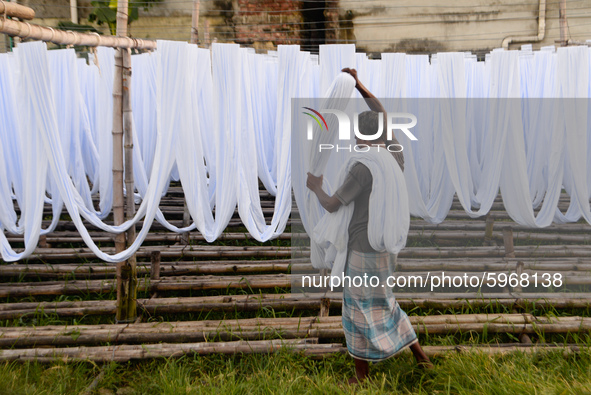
<point>372,102</point>
<point>375,105</point>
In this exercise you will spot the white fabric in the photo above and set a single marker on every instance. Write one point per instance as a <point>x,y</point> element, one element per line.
<point>306,157</point>
<point>389,216</point>
<point>219,121</point>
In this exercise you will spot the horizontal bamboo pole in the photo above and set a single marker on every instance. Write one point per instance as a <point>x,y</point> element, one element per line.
<point>74,237</point>
<point>82,271</point>
<point>61,37</point>
<point>573,272</point>
<point>49,270</point>
<point>206,282</point>
<point>201,251</point>
<point>415,224</point>
<point>438,236</point>
<point>284,328</point>
<point>555,251</point>
<point>180,305</point>
<point>479,226</point>
<point>77,287</point>
<point>437,351</point>
<point>125,353</point>
<point>16,10</point>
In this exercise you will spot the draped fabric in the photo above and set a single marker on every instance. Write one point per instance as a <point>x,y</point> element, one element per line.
<point>389,216</point>
<point>219,121</point>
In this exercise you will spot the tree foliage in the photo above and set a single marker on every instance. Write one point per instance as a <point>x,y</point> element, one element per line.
<point>105,11</point>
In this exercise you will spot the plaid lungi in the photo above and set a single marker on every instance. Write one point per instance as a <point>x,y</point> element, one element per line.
<point>375,326</point>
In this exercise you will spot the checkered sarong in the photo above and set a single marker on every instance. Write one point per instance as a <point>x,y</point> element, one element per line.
<point>375,326</point>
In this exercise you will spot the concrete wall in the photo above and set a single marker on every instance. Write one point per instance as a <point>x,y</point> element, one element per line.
<point>374,26</point>
<point>460,25</point>
<point>263,24</point>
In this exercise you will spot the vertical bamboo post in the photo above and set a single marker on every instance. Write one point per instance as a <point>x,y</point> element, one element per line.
<point>15,40</point>
<point>126,273</point>
<point>519,271</point>
<point>186,237</point>
<point>324,307</point>
<point>155,269</point>
<point>74,11</point>
<point>118,214</point>
<point>129,184</point>
<point>488,230</point>
<point>43,242</point>
<point>206,34</point>
<point>563,25</point>
<point>508,242</point>
<point>195,23</point>
<point>155,265</point>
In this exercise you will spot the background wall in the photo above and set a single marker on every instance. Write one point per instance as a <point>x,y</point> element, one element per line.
<point>376,26</point>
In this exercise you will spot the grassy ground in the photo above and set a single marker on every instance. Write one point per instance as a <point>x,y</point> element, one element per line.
<point>285,373</point>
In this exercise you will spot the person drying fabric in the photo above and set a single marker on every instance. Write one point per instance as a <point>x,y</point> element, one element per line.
<point>375,326</point>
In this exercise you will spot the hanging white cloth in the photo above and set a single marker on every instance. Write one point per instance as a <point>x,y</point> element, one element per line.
<point>389,215</point>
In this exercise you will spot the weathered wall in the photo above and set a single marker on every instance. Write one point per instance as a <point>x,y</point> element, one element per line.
<point>460,25</point>
<point>376,26</point>
<point>263,24</point>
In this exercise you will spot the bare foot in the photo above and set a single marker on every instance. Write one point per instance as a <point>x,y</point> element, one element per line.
<point>425,364</point>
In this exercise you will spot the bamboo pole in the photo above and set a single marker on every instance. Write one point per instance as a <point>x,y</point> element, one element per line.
<point>508,242</point>
<point>77,287</point>
<point>286,328</point>
<point>204,251</point>
<point>457,237</point>
<point>155,268</point>
<point>563,23</point>
<point>62,37</point>
<point>126,273</point>
<point>74,11</point>
<point>195,23</point>
<point>186,237</point>
<point>43,242</point>
<point>488,234</point>
<point>131,284</point>
<point>266,281</point>
<point>15,10</point>
<point>86,270</point>
<point>274,301</point>
<point>118,213</point>
<point>125,353</point>
<point>206,34</point>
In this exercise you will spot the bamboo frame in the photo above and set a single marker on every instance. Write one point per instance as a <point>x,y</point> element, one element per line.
<point>16,10</point>
<point>125,353</point>
<point>195,23</point>
<point>208,282</point>
<point>234,303</point>
<point>284,328</point>
<point>126,271</point>
<point>442,237</point>
<point>62,37</point>
<point>566,266</point>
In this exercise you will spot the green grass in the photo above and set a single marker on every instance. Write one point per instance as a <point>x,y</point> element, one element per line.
<point>285,373</point>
